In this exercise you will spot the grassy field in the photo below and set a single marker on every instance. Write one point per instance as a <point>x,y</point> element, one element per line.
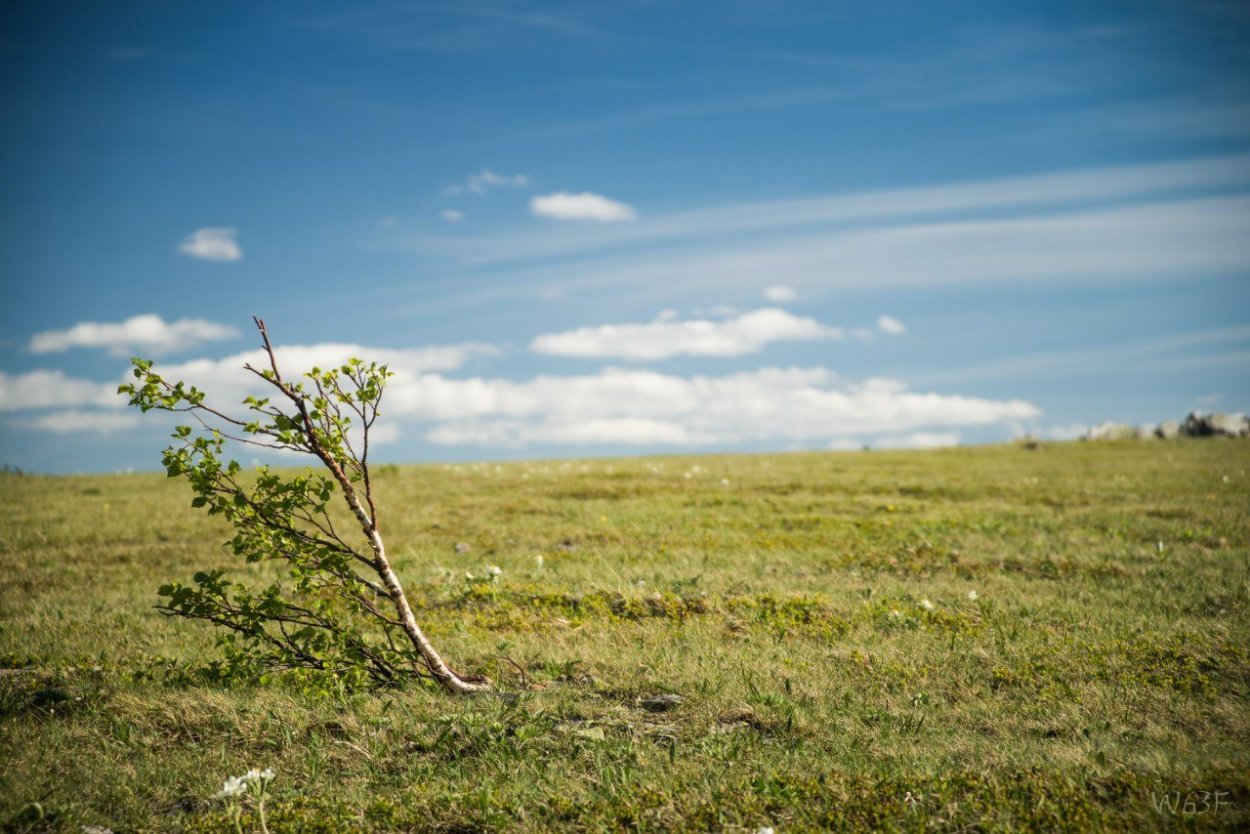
<point>997,639</point>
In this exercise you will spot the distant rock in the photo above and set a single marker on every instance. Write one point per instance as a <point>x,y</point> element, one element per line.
<point>1217,424</point>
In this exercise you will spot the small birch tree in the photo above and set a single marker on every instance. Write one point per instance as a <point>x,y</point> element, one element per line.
<point>345,611</point>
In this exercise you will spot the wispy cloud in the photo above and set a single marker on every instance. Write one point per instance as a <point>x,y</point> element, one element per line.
<point>667,337</point>
<point>891,326</point>
<point>1160,221</point>
<point>1045,194</point>
<point>584,206</point>
<point>561,24</point>
<point>779,294</point>
<point>1149,355</point>
<point>445,27</point>
<point>145,333</point>
<point>1170,239</point>
<point>451,215</point>
<point>485,180</point>
<point>213,244</point>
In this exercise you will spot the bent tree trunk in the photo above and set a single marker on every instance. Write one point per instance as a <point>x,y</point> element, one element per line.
<point>450,680</point>
<point>460,684</point>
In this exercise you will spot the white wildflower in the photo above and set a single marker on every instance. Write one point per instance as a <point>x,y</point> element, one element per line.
<point>494,570</point>
<point>764,829</point>
<point>234,786</point>
<point>926,605</point>
<point>972,595</point>
<point>538,561</point>
<point>724,482</point>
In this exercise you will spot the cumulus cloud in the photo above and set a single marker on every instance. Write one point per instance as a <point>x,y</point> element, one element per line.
<point>891,325</point>
<point>74,421</point>
<point>451,215</point>
<point>669,336</point>
<point>584,206</point>
<point>779,294</point>
<point>918,440</point>
<point>146,333</point>
<point>53,389</point>
<point>635,407</point>
<point>614,406</point>
<point>485,180</point>
<point>226,380</point>
<point>212,244</point>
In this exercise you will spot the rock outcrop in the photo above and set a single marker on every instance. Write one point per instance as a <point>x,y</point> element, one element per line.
<point>1217,424</point>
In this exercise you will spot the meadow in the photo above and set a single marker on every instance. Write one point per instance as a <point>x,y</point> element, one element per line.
<point>977,639</point>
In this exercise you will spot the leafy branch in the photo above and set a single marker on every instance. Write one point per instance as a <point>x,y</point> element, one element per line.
<point>345,612</point>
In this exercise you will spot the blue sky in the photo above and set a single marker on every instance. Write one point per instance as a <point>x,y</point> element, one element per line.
<point>629,227</point>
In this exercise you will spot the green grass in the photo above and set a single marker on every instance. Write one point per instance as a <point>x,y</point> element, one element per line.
<point>1102,667</point>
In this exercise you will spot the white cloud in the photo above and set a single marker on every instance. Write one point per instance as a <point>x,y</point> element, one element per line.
<point>146,333</point>
<point>779,294</point>
<point>212,244</point>
<point>53,389</point>
<point>486,179</point>
<point>636,407</point>
<point>667,336</point>
<point>79,422</point>
<point>614,406</point>
<point>451,215</point>
<point>622,431</point>
<point>585,206</point>
<point>226,382</point>
<point>918,440</point>
<point>914,440</point>
<point>891,325</point>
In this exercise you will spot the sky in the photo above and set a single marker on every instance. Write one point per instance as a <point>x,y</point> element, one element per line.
<point>637,227</point>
